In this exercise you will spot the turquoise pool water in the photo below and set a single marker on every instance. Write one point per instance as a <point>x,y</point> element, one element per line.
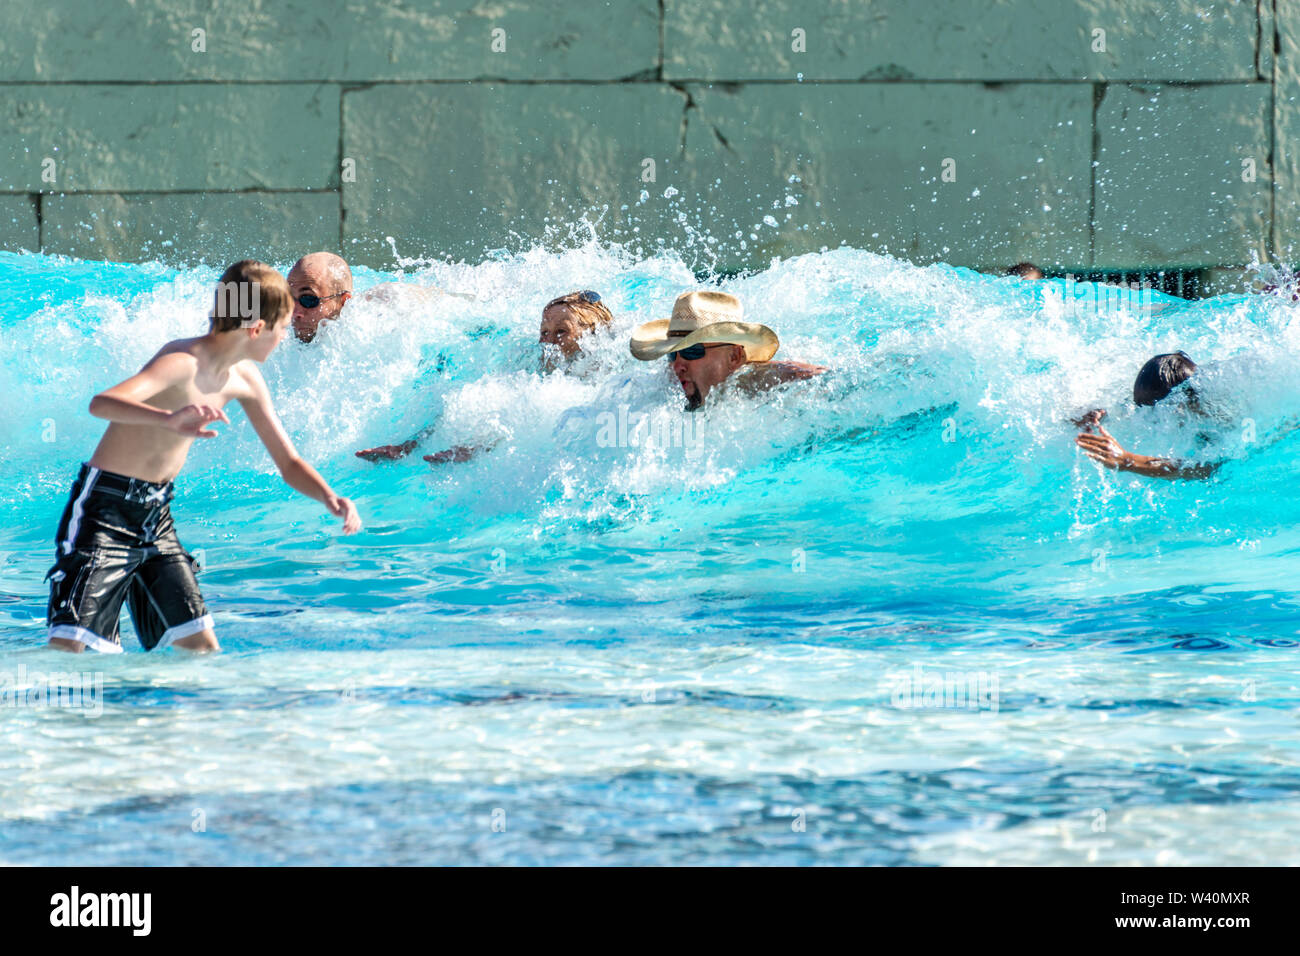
<point>717,644</point>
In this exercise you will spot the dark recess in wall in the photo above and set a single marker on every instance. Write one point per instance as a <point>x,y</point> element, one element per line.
<point>1184,283</point>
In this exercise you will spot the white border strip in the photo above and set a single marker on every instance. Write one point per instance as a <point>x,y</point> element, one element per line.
<point>92,640</point>
<point>184,630</point>
<point>74,525</point>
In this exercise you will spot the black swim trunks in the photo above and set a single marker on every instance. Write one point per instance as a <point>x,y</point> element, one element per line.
<point>116,541</point>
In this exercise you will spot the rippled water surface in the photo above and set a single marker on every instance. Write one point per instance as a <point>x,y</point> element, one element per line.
<point>889,616</point>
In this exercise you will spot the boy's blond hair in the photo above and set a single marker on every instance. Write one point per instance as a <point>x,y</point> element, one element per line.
<point>247,291</point>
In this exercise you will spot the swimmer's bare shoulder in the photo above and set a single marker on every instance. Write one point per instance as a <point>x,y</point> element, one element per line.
<point>184,370</point>
<point>407,293</point>
<point>400,292</point>
<point>178,361</point>
<point>765,375</point>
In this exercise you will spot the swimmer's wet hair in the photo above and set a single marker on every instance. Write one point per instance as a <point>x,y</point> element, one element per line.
<point>1024,269</point>
<point>1161,375</point>
<point>247,291</point>
<point>591,314</point>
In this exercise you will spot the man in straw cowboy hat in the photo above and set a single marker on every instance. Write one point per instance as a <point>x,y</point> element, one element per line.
<point>707,342</point>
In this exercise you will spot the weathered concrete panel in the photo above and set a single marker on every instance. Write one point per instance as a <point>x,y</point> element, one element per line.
<point>338,40</point>
<point>1286,132</point>
<point>216,228</point>
<point>19,228</point>
<point>168,137</point>
<point>973,175</point>
<point>456,169</point>
<point>1171,163</point>
<point>961,39</point>
<point>746,169</point>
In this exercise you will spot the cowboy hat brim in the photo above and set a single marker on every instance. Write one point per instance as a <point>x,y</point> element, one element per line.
<point>650,341</point>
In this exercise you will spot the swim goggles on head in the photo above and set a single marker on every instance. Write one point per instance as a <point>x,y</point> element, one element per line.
<point>586,295</point>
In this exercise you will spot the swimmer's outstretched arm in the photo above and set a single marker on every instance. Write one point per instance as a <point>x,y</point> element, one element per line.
<point>388,452</point>
<point>764,375</point>
<point>297,474</point>
<point>460,453</point>
<point>394,452</point>
<point>1103,448</point>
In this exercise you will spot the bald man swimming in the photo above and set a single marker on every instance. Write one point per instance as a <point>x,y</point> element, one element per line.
<point>321,285</point>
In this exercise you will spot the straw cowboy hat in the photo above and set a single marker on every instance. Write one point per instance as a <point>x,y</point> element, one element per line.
<point>700,317</point>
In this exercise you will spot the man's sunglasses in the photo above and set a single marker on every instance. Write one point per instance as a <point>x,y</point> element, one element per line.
<point>692,352</point>
<point>309,301</point>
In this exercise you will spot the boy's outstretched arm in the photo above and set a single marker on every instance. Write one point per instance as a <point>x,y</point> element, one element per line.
<point>297,474</point>
<point>1104,448</point>
<point>124,403</point>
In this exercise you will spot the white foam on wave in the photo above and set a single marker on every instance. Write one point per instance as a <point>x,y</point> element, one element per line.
<point>948,397</point>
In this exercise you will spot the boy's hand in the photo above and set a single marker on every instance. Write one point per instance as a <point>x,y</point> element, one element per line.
<point>391,452</point>
<point>191,419</point>
<point>345,509</point>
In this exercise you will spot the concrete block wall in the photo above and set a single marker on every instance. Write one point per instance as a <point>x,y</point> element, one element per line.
<point>1081,134</point>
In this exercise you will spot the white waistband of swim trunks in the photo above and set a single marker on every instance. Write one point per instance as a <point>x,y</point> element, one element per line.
<point>71,632</point>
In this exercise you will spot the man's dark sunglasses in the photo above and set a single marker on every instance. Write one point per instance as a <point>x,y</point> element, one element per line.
<point>309,301</point>
<point>691,352</point>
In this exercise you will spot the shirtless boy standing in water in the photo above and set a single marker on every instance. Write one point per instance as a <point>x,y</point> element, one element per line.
<point>116,540</point>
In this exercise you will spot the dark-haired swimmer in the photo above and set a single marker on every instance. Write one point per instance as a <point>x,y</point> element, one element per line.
<point>1155,381</point>
<point>1025,270</point>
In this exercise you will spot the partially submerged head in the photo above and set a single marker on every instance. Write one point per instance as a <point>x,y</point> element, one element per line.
<point>1025,270</point>
<point>1160,376</point>
<point>321,284</point>
<point>568,318</point>
<point>705,340</point>
<point>253,299</point>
